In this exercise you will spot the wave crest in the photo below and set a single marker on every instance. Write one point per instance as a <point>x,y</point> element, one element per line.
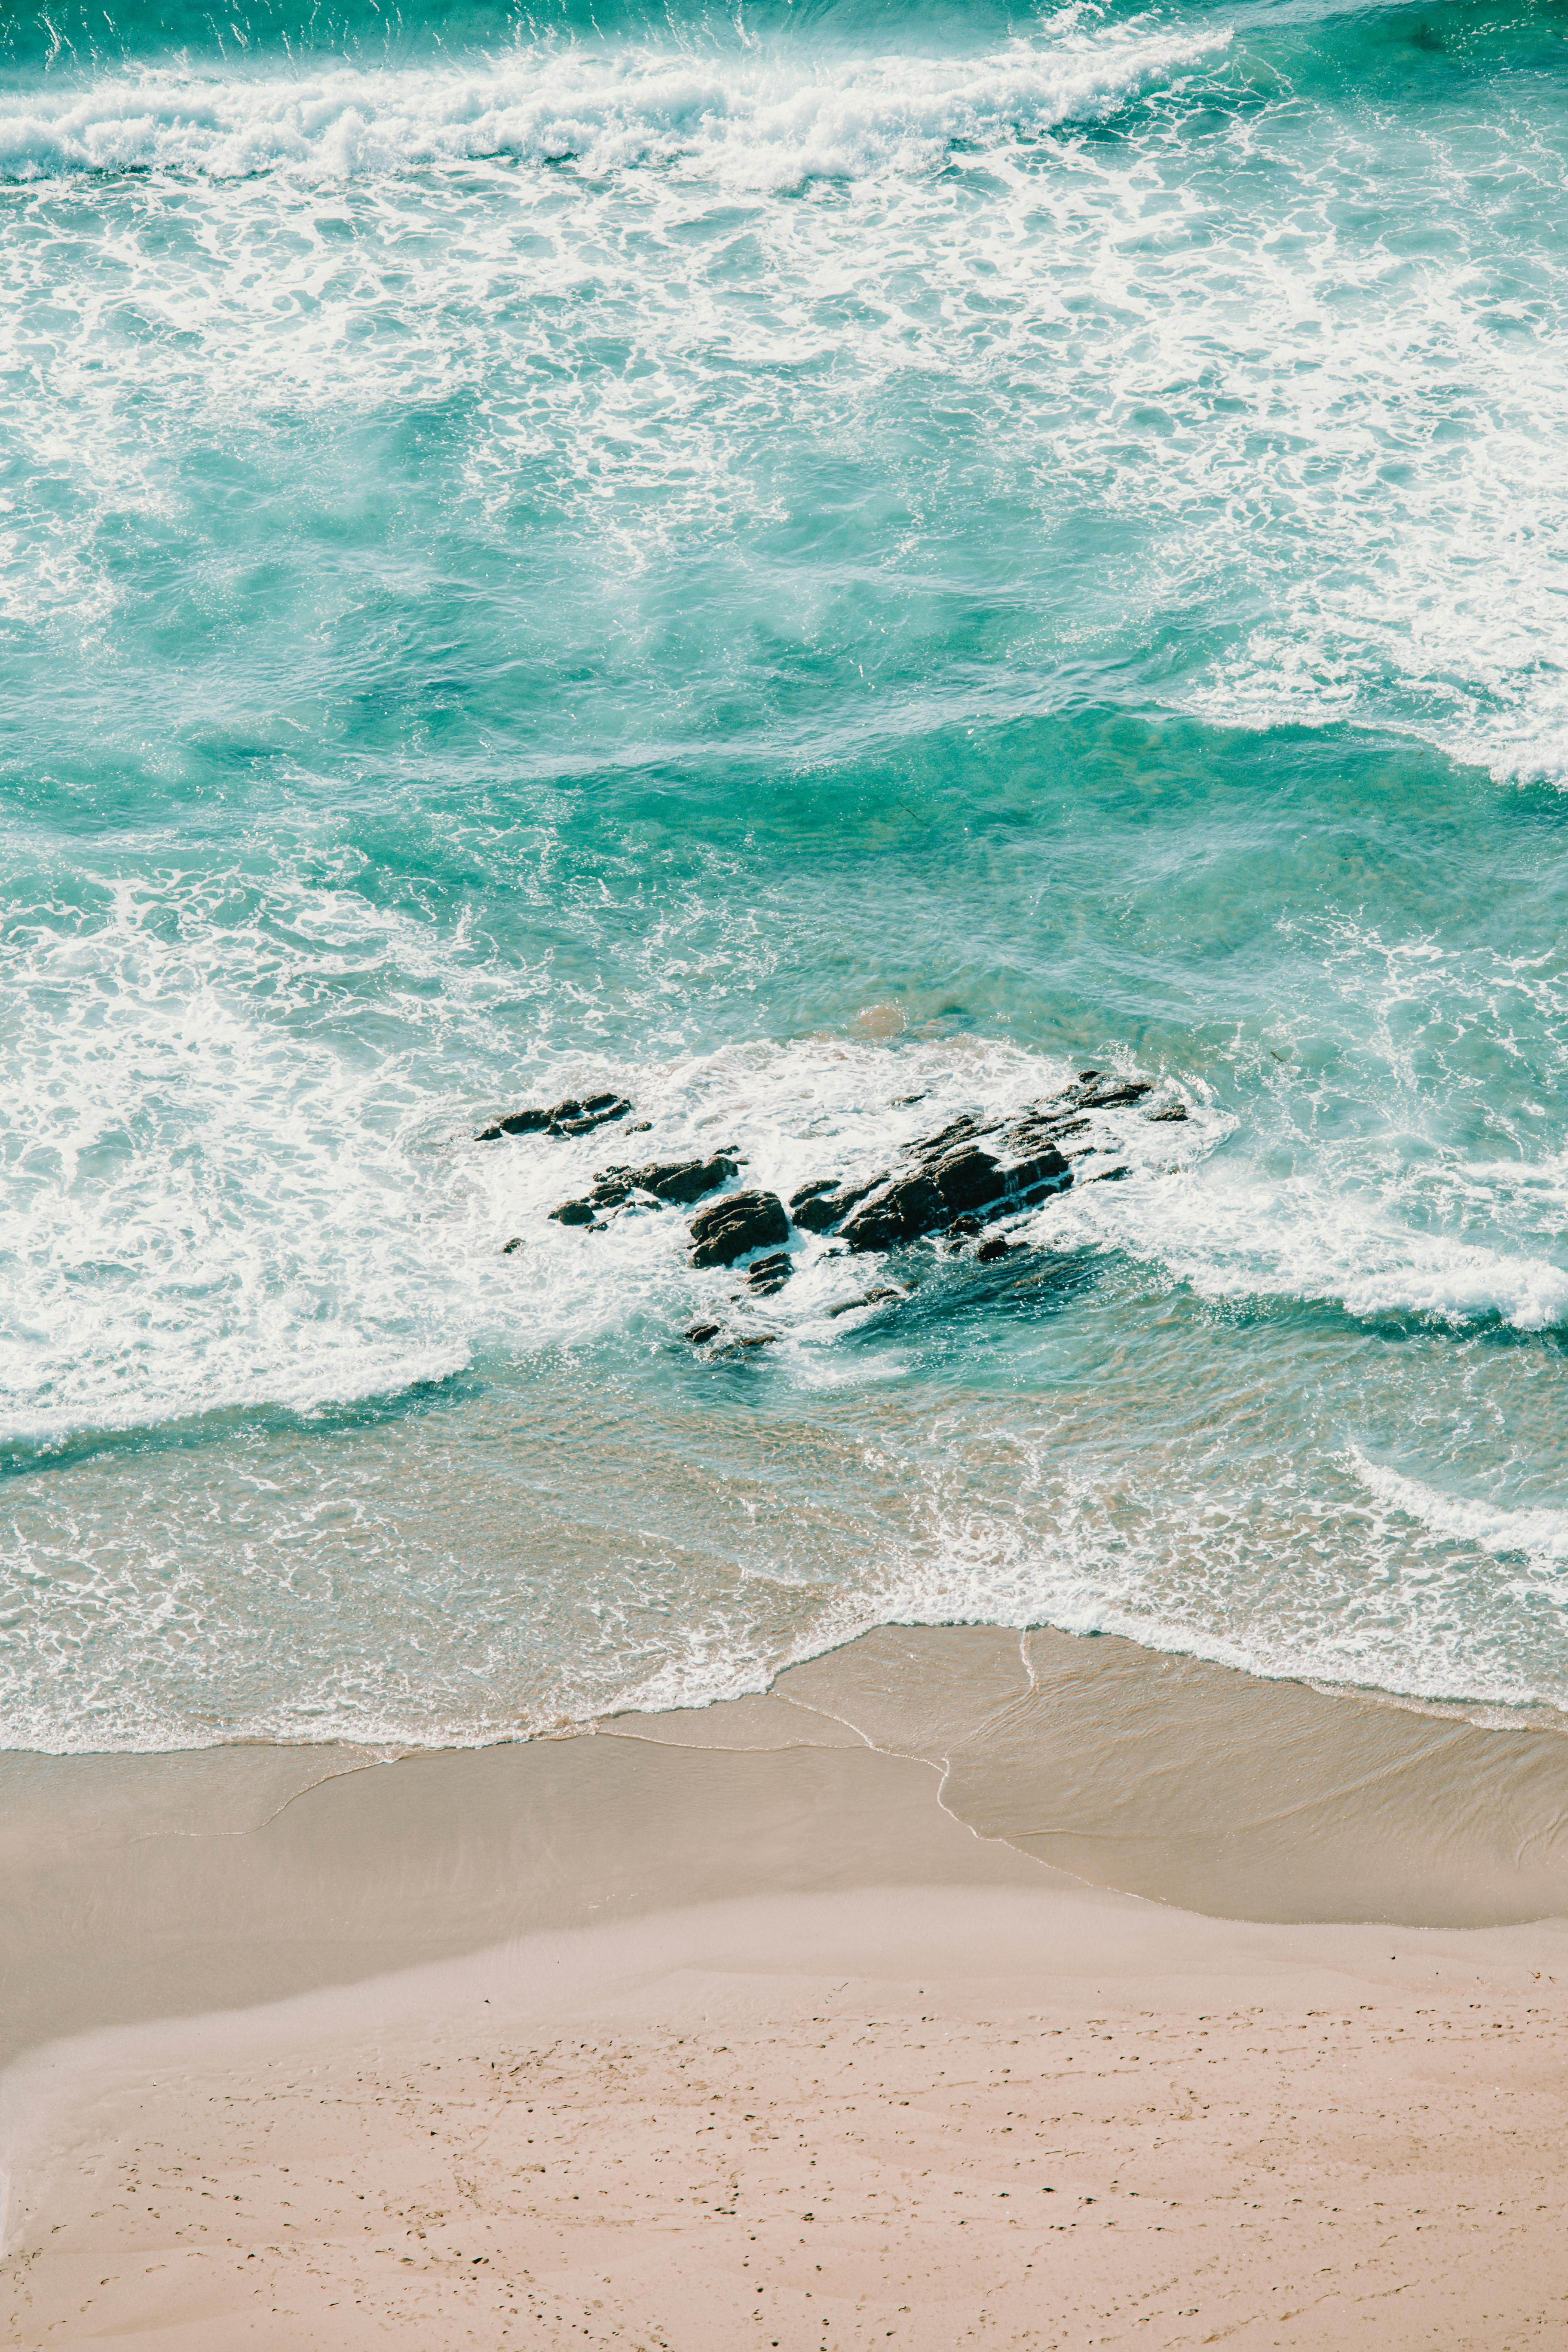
<point>758,121</point>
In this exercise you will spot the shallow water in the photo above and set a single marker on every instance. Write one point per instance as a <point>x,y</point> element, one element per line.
<point>823,567</point>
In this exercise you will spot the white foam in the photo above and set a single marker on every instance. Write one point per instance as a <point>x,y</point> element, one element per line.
<point>220,1200</point>
<point>1539,1534</point>
<point>766,116</point>
<point>1327,447</point>
<point>1234,1235</point>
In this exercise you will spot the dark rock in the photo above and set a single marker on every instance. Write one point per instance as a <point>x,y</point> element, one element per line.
<point>967,1182</point>
<point>871,1298</point>
<point>570,1118</point>
<point>680,1180</point>
<point>989,1251</point>
<point>809,1193</point>
<point>818,1208</point>
<point>1038,1126</point>
<point>766,1275</point>
<point>741,1223</point>
<point>574,1212</point>
<point>702,1332</point>
<point>1115,1094</point>
<point>521,1122</point>
<point>1107,1176</point>
<point>515,1243</point>
<point>581,1118</point>
<point>958,1130</point>
<point>1171,1111</point>
<point>954,1185</point>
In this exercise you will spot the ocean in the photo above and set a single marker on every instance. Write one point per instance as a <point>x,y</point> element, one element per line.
<point>822,568</point>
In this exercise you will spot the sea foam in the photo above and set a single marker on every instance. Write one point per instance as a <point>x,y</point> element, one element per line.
<point>756,120</point>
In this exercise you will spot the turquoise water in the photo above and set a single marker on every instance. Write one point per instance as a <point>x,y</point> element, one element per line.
<point>783,561</point>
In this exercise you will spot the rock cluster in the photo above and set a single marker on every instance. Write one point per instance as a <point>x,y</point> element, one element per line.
<point>951,1186</point>
<point>964,1178</point>
<point>734,1226</point>
<point>678,1182</point>
<point>562,1118</point>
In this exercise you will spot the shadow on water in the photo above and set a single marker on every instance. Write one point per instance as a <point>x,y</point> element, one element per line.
<point>238,1423</point>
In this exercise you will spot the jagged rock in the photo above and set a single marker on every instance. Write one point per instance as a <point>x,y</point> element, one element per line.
<point>570,1118</point>
<point>508,1247</point>
<point>574,1212</point>
<point>766,1275</point>
<point>968,1173</point>
<point>729,1343</point>
<point>871,1298</point>
<point>817,1208</point>
<point>989,1251</point>
<point>1170,1112</point>
<point>741,1223</point>
<point>967,1181</point>
<point>680,1180</point>
<point>1115,1094</point>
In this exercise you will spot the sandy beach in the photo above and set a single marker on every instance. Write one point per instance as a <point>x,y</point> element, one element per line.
<point>781,2022</point>
<point>784,1176</point>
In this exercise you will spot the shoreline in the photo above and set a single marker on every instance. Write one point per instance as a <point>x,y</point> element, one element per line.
<point>1005,1836</point>
<point>147,1885</point>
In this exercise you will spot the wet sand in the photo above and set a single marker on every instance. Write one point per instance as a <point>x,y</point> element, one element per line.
<point>622,2009</point>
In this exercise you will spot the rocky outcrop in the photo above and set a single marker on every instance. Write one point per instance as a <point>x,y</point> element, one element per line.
<point>959,1179</point>
<point>766,1275</point>
<point>965,1182</point>
<point>571,1117</point>
<point>972,1174</point>
<point>817,1208</point>
<point>968,1174</point>
<point>736,1225</point>
<point>678,1182</point>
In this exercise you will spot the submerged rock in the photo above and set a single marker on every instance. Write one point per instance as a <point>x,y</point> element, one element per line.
<point>820,1207</point>
<point>969,1173</point>
<point>868,1299</point>
<point>574,1212</point>
<point>570,1118</point>
<point>680,1180</point>
<point>729,1343</point>
<point>1113,1094</point>
<point>963,1183</point>
<point>766,1275</point>
<point>734,1226</point>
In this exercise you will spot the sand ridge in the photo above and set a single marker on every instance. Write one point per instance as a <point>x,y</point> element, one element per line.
<point>1288,2139</point>
<point>780,2024</point>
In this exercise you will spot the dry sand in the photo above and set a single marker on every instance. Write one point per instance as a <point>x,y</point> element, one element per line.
<point>780,2049</point>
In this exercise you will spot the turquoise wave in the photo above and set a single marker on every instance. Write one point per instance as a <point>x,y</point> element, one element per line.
<point>818,567</point>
